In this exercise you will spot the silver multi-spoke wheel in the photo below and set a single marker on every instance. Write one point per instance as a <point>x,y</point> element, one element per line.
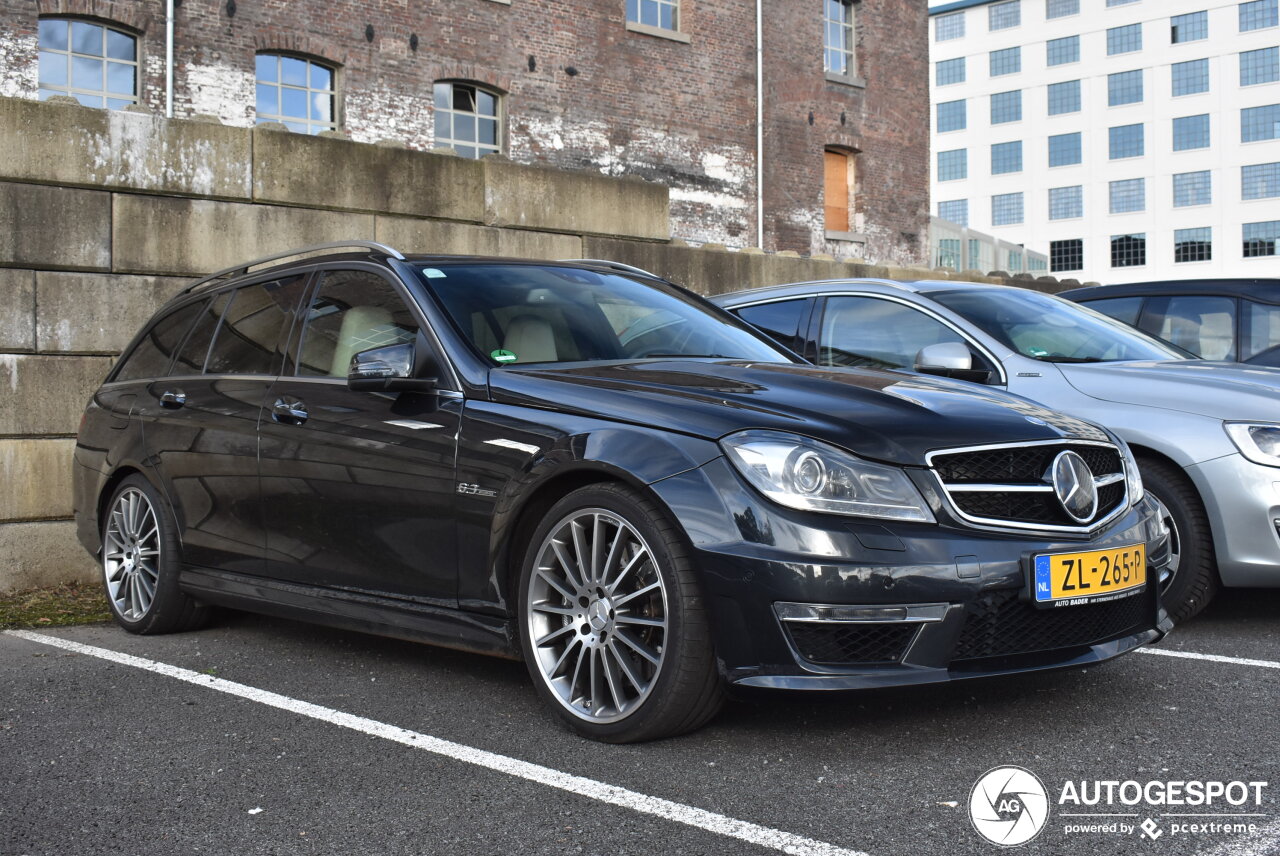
<point>1169,571</point>
<point>131,554</point>
<point>597,615</point>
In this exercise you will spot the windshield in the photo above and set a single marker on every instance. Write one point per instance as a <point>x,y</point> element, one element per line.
<point>515,314</point>
<point>1051,329</point>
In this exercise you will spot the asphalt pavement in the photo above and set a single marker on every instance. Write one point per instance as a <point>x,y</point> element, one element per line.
<point>262,736</point>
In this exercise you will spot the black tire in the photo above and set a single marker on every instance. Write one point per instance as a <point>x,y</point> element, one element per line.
<point>683,690</point>
<point>142,589</point>
<point>1194,580</point>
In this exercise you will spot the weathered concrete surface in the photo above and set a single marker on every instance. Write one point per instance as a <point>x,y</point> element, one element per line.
<point>591,204</point>
<point>43,553</point>
<point>58,228</point>
<point>46,395</point>
<point>17,310</point>
<point>118,150</point>
<point>165,235</point>
<point>96,313</point>
<point>297,169</point>
<point>435,236</point>
<point>37,479</point>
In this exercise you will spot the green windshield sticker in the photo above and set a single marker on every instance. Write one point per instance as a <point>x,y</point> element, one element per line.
<point>503,356</point>
<point>433,273</point>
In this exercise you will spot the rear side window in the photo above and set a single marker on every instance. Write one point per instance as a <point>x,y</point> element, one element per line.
<point>254,326</point>
<point>779,319</point>
<point>353,311</point>
<point>1205,325</point>
<point>154,352</point>
<point>1262,321</point>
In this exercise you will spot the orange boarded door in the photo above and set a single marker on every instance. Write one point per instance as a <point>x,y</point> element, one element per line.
<point>836,191</point>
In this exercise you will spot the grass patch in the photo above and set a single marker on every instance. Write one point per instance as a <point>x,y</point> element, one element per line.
<point>58,606</point>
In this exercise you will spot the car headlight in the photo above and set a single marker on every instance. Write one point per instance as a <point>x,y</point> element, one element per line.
<point>1132,477</point>
<point>1257,441</point>
<point>802,473</point>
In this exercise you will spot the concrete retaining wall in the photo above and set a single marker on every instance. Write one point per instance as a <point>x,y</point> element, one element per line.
<point>103,215</point>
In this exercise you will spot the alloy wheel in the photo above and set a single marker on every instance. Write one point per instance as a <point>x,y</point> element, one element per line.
<point>131,554</point>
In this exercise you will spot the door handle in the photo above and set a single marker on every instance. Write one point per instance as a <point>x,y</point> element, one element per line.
<point>289,412</point>
<point>173,398</point>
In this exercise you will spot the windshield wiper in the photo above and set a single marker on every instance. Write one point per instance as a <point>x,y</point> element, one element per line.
<point>1053,358</point>
<point>694,356</point>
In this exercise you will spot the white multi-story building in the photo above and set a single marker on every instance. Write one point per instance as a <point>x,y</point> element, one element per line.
<point>1129,139</point>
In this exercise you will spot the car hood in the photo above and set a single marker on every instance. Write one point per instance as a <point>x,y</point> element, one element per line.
<point>883,415</point>
<point>1220,390</point>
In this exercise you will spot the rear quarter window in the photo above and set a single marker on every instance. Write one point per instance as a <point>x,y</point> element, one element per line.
<point>1124,309</point>
<point>153,353</point>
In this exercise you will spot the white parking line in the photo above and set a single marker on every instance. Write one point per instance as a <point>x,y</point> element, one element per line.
<point>719,824</point>
<point>1212,658</point>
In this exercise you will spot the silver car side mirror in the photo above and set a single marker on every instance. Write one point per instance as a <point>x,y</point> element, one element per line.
<point>946,356</point>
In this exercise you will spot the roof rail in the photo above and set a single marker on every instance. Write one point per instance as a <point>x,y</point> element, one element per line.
<point>243,267</point>
<point>615,265</point>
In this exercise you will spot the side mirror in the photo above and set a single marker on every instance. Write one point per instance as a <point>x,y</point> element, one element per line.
<point>950,359</point>
<point>387,369</point>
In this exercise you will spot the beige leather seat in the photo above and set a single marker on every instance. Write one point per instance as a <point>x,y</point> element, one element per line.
<point>531,339</point>
<point>363,327</point>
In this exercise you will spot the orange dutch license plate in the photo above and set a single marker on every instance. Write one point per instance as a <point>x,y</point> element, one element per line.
<point>1073,579</point>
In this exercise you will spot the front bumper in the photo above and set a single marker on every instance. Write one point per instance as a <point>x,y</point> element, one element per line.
<point>1242,500</point>
<point>966,595</point>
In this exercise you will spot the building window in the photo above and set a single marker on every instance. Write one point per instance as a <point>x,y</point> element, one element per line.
<point>1064,149</point>
<point>837,22</point>
<point>95,64</point>
<point>1124,87</point>
<point>1064,97</point>
<point>1015,261</point>
<point>1061,8</point>
<point>1007,61</point>
<point>1191,27</point>
<point>1258,15</point>
<point>978,259</point>
<point>948,253</point>
<point>1002,16</point>
<point>1127,141</point>
<point>1191,132</point>
<point>1062,51</point>
<point>838,172</point>
<point>1066,203</point>
<point>1006,157</point>
<point>1192,188</point>
<point>1128,250</point>
<point>948,27</point>
<point>1190,77</point>
<point>953,165</point>
<point>295,91</point>
<point>1260,66</point>
<point>1125,39</point>
<point>951,116</point>
<point>1260,123</point>
<point>1006,107</point>
<point>1066,255</point>
<point>1111,3</point>
<point>662,14</point>
<point>955,211</point>
<point>949,71</point>
<point>1260,239</point>
<point>1006,209</point>
<point>1128,195</point>
<point>1260,181</point>
<point>468,119</point>
<point>1192,245</point>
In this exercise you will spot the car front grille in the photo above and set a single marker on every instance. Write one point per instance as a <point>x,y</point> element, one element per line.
<point>854,644</point>
<point>1011,486</point>
<point>1000,624</point>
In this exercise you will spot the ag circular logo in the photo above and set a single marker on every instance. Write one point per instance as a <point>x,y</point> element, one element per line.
<point>1008,806</point>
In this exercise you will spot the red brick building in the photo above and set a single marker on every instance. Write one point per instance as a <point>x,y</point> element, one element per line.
<point>665,90</point>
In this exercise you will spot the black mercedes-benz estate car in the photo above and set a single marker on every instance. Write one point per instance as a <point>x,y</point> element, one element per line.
<point>583,465</point>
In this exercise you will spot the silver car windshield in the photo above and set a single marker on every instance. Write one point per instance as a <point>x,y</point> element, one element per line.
<point>515,314</point>
<point>1051,329</point>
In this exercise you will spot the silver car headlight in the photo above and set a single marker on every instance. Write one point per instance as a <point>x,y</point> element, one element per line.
<point>1257,441</point>
<point>802,473</point>
<point>1132,477</point>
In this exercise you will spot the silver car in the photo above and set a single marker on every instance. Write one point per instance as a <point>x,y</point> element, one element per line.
<point>1206,434</point>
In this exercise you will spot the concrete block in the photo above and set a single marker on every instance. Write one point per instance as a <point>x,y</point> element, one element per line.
<point>95,312</point>
<point>297,169</point>
<point>44,553</point>
<point>704,271</point>
<point>165,235</point>
<point>17,310</point>
<point>434,236</point>
<point>37,479</point>
<point>122,150</point>
<point>581,202</point>
<point>46,395</point>
<point>57,228</point>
